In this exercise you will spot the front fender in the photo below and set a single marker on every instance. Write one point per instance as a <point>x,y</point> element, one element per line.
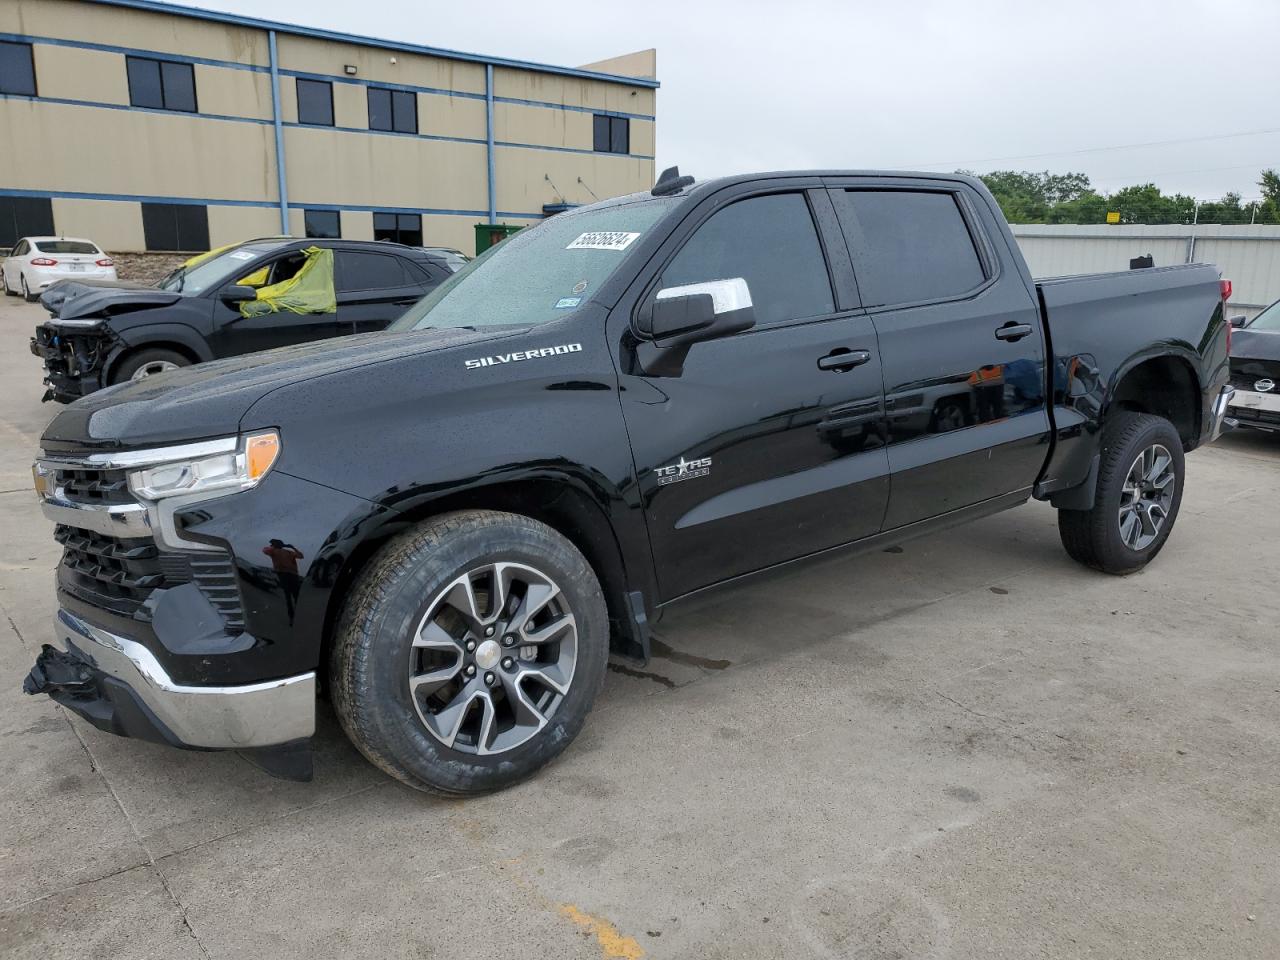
<point>169,334</point>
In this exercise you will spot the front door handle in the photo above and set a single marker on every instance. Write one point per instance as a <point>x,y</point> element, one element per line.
<point>843,359</point>
<point>1013,331</point>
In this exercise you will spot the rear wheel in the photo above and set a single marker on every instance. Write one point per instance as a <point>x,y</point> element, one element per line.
<point>26,293</point>
<point>146,363</point>
<point>1139,491</point>
<point>469,652</point>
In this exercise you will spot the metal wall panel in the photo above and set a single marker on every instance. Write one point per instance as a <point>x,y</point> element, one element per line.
<point>1248,255</point>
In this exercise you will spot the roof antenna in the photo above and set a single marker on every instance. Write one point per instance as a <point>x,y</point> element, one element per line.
<point>670,182</point>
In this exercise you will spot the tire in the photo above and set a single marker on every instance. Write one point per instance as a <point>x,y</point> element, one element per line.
<point>146,362</point>
<point>399,597</point>
<point>1105,537</point>
<point>27,295</point>
<point>4,280</point>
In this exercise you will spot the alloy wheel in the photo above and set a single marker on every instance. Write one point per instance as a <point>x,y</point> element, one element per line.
<point>1147,497</point>
<point>154,367</point>
<point>493,658</point>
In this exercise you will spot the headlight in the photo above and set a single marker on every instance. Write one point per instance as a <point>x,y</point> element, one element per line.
<point>230,472</point>
<point>77,324</point>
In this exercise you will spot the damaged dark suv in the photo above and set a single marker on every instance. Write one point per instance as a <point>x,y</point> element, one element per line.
<point>222,305</point>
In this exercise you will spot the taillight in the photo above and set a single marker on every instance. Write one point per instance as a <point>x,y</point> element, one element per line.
<point>1226,289</point>
<point>44,262</point>
<point>105,262</point>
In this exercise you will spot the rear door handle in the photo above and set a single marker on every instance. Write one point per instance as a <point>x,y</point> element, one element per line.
<point>843,359</point>
<point>1013,331</point>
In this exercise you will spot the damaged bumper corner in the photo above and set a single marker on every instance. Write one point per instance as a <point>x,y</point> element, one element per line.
<point>73,363</point>
<point>118,685</point>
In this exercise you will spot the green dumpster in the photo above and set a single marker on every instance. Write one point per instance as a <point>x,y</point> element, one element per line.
<point>491,234</point>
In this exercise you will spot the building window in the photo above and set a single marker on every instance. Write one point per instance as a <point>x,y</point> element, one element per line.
<point>398,228</point>
<point>612,134</point>
<point>322,224</point>
<point>180,227</point>
<point>161,84</point>
<point>25,217</point>
<point>315,102</point>
<point>17,69</point>
<point>393,110</point>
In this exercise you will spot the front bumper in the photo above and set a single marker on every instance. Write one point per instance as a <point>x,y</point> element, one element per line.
<point>73,362</point>
<point>1252,408</point>
<point>119,686</point>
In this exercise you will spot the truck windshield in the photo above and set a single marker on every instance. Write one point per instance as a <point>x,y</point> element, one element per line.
<point>1268,319</point>
<point>541,273</point>
<point>198,277</point>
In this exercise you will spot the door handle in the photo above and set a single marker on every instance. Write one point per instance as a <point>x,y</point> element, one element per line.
<point>1013,331</point>
<point>843,359</point>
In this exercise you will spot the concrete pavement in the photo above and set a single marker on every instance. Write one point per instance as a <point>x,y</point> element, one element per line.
<point>966,748</point>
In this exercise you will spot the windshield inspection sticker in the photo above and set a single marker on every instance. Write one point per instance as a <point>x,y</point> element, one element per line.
<point>534,354</point>
<point>241,255</point>
<point>603,240</point>
<point>567,303</point>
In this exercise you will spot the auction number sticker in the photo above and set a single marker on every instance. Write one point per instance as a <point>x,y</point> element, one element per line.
<point>603,240</point>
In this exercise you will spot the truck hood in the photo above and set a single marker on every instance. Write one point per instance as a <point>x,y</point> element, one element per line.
<point>70,299</point>
<point>208,399</point>
<point>1249,344</point>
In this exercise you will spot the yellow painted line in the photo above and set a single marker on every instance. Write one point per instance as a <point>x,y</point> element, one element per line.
<point>614,945</point>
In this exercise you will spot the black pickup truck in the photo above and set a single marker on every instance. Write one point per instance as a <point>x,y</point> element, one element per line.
<point>450,526</point>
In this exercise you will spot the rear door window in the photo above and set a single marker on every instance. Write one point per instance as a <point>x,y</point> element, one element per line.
<point>772,243</point>
<point>369,271</point>
<point>908,246</point>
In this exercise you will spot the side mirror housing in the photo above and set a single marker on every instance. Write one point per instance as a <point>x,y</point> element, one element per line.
<point>1239,321</point>
<point>681,316</point>
<point>236,293</point>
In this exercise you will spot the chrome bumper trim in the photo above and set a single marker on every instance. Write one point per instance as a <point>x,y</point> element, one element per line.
<point>1220,407</point>
<point>117,520</point>
<point>250,715</point>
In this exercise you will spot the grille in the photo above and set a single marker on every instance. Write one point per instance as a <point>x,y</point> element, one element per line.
<point>109,572</point>
<point>1245,373</point>
<point>89,485</point>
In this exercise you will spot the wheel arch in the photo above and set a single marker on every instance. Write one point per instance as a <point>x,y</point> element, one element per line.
<point>177,337</point>
<point>1163,384</point>
<point>564,503</point>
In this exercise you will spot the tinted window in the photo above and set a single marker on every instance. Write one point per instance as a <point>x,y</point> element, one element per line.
<point>379,109</point>
<point>771,243</point>
<point>393,110</point>
<point>908,246</point>
<point>323,224</point>
<point>66,246</point>
<point>179,86</point>
<point>20,249</point>
<point>17,70</point>
<point>24,217</point>
<point>611,134</point>
<point>161,84</point>
<point>175,226</point>
<point>315,102</point>
<point>403,228</point>
<point>368,271</point>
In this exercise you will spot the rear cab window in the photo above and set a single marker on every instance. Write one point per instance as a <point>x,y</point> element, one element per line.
<point>908,246</point>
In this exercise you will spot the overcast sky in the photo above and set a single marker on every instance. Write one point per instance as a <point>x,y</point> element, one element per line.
<point>926,84</point>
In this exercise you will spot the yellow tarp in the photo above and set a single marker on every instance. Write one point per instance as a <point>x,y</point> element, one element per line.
<point>310,290</point>
<point>202,257</point>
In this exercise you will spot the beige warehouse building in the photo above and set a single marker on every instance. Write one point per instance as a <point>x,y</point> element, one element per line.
<point>147,126</point>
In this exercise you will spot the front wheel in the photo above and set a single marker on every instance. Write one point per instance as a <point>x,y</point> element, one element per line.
<point>1139,490</point>
<point>469,652</point>
<point>147,363</point>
